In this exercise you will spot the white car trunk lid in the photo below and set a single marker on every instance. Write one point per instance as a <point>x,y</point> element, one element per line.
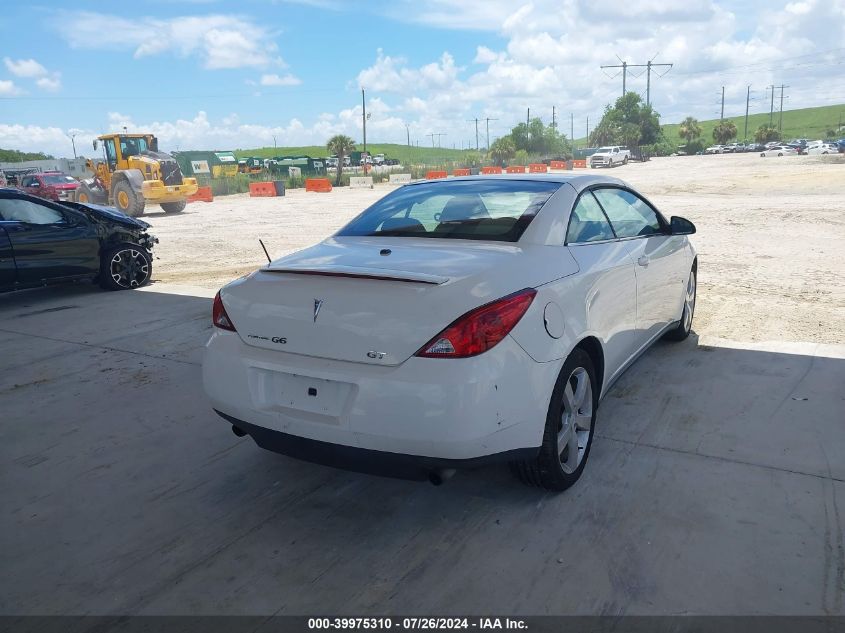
<point>349,299</point>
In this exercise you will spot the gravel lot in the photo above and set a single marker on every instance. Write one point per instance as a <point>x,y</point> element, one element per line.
<point>771,238</point>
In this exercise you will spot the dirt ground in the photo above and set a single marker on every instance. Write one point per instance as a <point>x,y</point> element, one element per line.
<point>771,238</point>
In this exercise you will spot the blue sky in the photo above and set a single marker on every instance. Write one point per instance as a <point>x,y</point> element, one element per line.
<point>213,74</point>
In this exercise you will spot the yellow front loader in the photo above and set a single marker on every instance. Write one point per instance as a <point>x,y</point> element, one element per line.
<point>134,173</point>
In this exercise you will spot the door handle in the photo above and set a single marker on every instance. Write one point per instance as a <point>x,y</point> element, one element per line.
<point>643,260</point>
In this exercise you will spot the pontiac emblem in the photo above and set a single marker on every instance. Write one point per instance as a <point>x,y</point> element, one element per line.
<point>318,303</point>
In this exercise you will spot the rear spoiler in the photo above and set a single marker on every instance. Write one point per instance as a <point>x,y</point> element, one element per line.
<point>358,272</point>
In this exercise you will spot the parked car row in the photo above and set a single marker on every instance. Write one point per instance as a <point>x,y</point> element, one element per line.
<point>781,148</point>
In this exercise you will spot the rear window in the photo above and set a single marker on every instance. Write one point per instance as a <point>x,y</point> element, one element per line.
<point>496,210</point>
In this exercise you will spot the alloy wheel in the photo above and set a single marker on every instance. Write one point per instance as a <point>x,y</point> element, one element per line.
<point>576,420</point>
<point>689,302</point>
<point>129,268</point>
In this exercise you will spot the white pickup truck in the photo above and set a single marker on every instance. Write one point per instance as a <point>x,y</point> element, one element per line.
<point>610,156</point>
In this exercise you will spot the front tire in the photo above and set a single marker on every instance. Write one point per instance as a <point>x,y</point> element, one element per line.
<point>127,200</point>
<point>568,433</point>
<point>124,267</point>
<point>684,328</point>
<point>174,207</point>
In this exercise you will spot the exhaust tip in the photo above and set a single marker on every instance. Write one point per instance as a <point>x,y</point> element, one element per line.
<point>437,477</point>
<point>237,431</point>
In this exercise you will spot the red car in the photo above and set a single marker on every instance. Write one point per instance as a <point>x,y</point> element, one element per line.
<point>52,185</point>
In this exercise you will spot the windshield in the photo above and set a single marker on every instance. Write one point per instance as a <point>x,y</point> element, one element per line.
<point>605,149</point>
<point>57,180</point>
<point>132,146</point>
<point>497,210</point>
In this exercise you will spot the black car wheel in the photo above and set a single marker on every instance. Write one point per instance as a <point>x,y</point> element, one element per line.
<point>125,267</point>
<point>568,434</point>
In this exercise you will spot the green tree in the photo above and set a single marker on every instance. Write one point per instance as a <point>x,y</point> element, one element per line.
<point>689,129</point>
<point>341,146</point>
<point>766,133</point>
<point>520,157</point>
<point>628,122</point>
<point>16,156</point>
<point>538,139</point>
<point>502,149</point>
<point>724,131</point>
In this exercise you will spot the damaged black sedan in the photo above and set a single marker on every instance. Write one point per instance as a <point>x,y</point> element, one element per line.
<point>44,242</point>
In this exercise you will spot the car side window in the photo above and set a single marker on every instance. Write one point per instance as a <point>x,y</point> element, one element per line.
<point>629,215</point>
<point>587,222</point>
<point>29,181</point>
<point>17,210</point>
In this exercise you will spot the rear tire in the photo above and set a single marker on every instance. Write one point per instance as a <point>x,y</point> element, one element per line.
<point>684,328</point>
<point>568,433</point>
<point>124,267</point>
<point>174,207</point>
<point>127,200</point>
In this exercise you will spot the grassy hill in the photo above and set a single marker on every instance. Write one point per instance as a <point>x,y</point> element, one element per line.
<point>407,155</point>
<point>809,123</point>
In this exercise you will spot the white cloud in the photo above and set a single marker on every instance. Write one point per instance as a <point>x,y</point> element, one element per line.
<point>220,41</point>
<point>24,67</point>
<point>9,89</point>
<point>51,84</point>
<point>276,80</point>
<point>554,49</point>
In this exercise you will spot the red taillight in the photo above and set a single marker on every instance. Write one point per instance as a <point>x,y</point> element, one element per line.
<point>479,329</point>
<point>219,318</point>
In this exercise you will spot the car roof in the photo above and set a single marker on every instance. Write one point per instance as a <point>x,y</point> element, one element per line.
<point>578,181</point>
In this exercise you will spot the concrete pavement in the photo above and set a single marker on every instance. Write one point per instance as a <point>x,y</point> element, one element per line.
<point>715,486</point>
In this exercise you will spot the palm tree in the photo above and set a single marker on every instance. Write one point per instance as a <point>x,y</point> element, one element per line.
<point>689,129</point>
<point>725,131</point>
<point>502,150</point>
<point>341,146</point>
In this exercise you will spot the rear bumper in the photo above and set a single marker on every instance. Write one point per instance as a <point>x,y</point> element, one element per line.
<point>364,460</point>
<point>428,409</point>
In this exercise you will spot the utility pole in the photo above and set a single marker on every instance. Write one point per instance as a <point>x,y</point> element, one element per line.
<point>274,141</point>
<point>73,143</point>
<point>364,119</point>
<point>772,108</point>
<point>780,120</point>
<point>624,67</point>
<point>553,117</point>
<point>476,131</point>
<point>488,119</point>
<point>722,116</point>
<point>438,135</point>
<point>571,126</point>
<point>528,117</point>
<point>408,131</point>
<point>588,130</point>
<point>648,66</point>
<point>747,100</point>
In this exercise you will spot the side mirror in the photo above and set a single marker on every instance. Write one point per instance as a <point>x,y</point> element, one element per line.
<point>681,226</point>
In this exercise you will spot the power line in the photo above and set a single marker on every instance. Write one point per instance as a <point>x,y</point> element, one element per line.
<point>648,66</point>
